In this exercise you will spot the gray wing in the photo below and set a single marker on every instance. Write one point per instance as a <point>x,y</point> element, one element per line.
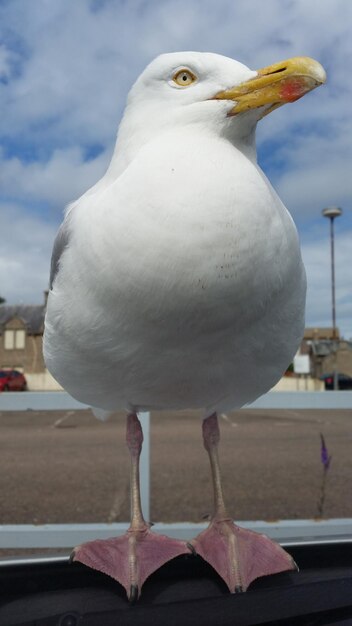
<point>60,243</point>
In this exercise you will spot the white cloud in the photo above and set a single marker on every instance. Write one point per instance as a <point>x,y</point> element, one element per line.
<point>61,179</point>
<point>25,253</point>
<point>317,176</point>
<point>5,63</point>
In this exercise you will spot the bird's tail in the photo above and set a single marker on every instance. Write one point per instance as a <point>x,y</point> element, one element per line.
<point>101,414</point>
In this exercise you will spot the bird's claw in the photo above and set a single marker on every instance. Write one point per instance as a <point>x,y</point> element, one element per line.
<point>71,558</point>
<point>133,594</point>
<point>191,548</point>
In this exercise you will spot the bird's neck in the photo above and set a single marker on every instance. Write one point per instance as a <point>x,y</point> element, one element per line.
<point>129,143</point>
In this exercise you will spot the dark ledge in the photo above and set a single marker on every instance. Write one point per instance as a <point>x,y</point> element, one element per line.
<point>185,592</point>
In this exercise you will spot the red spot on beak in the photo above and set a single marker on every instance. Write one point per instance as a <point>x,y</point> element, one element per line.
<point>293,89</point>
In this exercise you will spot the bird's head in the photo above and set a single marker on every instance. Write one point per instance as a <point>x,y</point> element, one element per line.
<point>215,91</point>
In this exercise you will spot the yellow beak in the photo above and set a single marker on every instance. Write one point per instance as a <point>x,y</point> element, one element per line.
<point>275,85</point>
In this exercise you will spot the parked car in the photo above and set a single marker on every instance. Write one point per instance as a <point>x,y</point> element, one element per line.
<point>12,380</point>
<point>344,381</point>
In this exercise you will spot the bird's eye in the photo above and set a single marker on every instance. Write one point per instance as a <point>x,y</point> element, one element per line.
<point>183,78</point>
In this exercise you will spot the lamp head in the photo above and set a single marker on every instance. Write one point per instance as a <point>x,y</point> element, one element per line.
<point>332,212</point>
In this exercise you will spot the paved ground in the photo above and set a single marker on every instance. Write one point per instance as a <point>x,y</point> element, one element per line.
<point>60,467</point>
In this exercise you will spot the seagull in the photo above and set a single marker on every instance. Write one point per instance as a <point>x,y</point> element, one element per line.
<point>177,283</point>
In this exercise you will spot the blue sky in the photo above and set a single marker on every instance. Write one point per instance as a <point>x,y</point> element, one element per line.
<point>66,68</point>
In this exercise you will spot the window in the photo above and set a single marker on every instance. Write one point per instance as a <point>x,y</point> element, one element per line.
<point>20,339</point>
<point>9,340</point>
<point>15,339</point>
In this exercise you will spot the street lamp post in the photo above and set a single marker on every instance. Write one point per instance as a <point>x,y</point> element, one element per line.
<point>333,212</point>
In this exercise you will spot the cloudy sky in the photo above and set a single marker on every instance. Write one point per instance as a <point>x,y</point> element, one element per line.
<point>65,70</point>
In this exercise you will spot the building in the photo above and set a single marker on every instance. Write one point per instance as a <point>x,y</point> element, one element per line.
<point>21,339</point>
<point>327,352</point>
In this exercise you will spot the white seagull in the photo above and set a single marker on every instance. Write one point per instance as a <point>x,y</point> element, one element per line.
<point>177,282</point>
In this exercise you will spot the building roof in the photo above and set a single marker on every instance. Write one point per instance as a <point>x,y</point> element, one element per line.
<point>320,333</point>
<point>32,316</point>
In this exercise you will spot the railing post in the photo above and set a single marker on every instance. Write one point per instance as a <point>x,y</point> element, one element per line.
<point>145,465</point>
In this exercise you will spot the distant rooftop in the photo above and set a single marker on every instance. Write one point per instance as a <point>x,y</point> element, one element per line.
<point>325,332</point>
<point>32,316</point>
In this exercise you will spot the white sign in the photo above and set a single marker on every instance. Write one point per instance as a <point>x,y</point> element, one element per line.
<point>301,364</point>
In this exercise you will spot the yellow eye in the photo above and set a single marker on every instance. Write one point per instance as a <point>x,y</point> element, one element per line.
<point>183,78</point>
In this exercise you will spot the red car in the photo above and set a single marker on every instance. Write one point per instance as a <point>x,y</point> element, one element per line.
<point>12,380</point>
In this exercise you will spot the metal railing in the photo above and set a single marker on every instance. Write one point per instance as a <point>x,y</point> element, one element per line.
<point>287,532</point>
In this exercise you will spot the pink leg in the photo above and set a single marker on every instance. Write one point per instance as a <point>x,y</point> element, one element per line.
<point>130,559</point>
<point>239,556</point>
